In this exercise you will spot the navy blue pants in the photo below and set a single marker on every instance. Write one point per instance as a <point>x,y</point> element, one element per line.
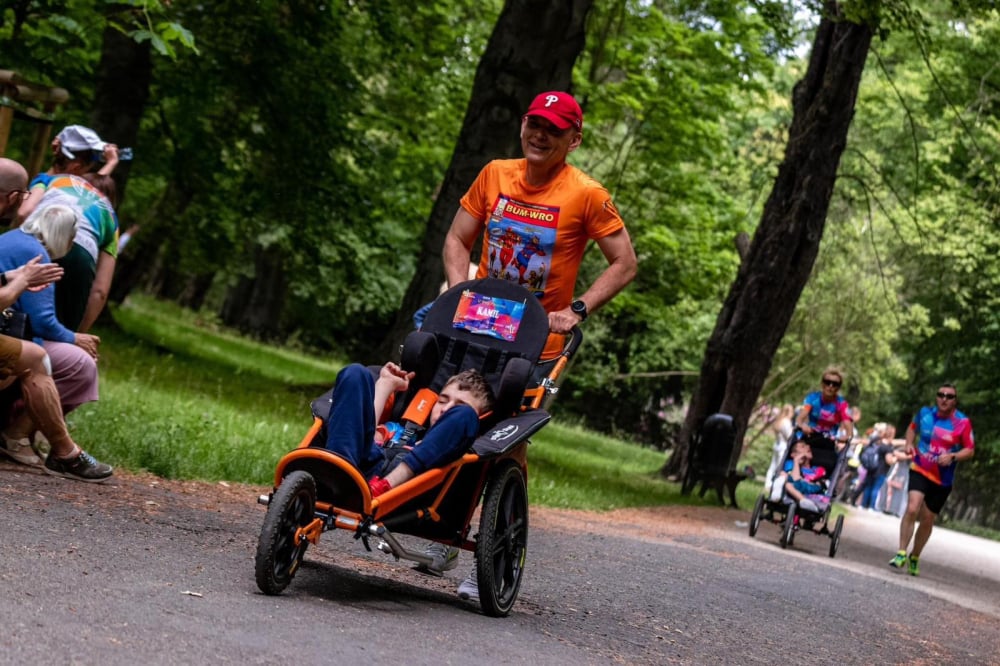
<point>351,429</point>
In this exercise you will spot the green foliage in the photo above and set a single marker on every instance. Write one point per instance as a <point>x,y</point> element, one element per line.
<point>667,88</point>
<point>322,157</point>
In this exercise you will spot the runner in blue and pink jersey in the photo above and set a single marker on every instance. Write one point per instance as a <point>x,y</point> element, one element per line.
<point>938,437</point>
<point>823,411</point>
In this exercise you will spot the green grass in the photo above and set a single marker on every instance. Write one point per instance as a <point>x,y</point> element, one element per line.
<point>175,329</point>
<point>186,399</point>
<point>187,402</point>
<point>572,468</point>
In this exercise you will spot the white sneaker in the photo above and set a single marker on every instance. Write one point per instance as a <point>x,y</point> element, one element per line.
<point>808,505</point>
<point>445,559</point>
<point>19,450</point>
<point>469,588</point>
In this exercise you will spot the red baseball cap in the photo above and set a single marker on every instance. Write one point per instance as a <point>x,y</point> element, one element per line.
<point>559,108</point>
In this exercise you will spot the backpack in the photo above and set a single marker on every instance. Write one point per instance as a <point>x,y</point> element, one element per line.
<point>870,457</point>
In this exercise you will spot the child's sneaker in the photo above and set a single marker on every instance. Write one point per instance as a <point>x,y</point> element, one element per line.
<point>899,561</point>
<point>914,566</point>
<point>82,467</point>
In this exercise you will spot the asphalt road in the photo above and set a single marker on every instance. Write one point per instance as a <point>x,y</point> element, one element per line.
<point>143,571</point>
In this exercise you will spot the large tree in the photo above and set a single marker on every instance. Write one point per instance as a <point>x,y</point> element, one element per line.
<point>762,299</point>
<point>533,47</point>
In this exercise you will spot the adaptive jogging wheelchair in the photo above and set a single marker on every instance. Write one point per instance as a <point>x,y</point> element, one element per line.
<point>496,327</point>
<point>776,506</point>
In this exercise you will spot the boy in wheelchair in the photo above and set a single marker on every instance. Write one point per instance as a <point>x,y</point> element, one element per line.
<point>801,478</point>
<point>378,451</point>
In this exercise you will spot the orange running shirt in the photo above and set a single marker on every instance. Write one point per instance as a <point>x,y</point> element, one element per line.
<point>536,236</point>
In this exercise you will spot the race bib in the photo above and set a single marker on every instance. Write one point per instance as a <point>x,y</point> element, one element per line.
<point>488,315</point>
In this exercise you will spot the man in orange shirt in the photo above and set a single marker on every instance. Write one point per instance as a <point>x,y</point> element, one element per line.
<point>548,210</point>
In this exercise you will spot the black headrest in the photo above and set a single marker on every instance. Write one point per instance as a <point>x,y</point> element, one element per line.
<point>485,324</point>
<point>532,330</point>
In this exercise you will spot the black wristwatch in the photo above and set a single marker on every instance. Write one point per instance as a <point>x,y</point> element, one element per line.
<point>579,308</point>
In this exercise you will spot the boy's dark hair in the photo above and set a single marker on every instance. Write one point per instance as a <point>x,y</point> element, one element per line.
<point>473,382</point>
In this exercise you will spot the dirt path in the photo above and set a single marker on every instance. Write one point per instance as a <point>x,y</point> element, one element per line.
<point>156,572</point>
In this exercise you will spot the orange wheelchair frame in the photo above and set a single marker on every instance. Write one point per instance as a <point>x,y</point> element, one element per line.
<point>316,491</point>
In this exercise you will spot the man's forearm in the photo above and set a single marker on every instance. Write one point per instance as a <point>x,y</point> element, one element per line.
<point>456,260</point>
<point>607,285</point>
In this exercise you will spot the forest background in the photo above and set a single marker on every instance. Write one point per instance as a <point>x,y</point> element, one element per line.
<point>288,155</point>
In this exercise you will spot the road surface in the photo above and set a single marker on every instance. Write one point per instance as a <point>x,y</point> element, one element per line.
<point>145,571</point>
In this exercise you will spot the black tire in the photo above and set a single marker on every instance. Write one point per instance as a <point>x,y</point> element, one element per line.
<point>291,507</point>
<point>503,541</point>
<point>758,510</point>
<point>788,529</point>
<point>835,536</point>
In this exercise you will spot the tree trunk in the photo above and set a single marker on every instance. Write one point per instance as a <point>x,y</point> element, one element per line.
<point>254,305</point>
<point>762,299</point>
<point>533,48</point>
<point>121,92</point>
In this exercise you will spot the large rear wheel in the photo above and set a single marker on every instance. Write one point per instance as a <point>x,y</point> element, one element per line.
<point>503,541</point>
<point>278,556</point>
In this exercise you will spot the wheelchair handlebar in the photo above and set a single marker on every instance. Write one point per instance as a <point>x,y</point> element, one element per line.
<point>575,339</point>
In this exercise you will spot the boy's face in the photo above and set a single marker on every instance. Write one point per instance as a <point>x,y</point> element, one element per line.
<point>802,449</point>
<point>452,396</point>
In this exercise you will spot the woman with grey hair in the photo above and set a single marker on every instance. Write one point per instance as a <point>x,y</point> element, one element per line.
<point>49,233</point>
<point>26,362</point>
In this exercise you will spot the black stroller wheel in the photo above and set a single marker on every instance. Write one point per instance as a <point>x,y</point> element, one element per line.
<point>758,510</point>
<point>278,556</point>
<point>788,529</point>
<point>503,541</point>
<point>835,536</point>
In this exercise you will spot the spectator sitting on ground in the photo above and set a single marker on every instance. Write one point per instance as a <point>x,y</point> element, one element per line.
<point>24,361</point>
<point>73,355</point>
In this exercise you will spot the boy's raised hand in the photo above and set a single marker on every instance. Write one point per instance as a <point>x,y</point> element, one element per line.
<point>395,377</point>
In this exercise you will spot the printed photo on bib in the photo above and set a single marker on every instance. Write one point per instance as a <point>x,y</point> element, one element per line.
<point>521,238</point>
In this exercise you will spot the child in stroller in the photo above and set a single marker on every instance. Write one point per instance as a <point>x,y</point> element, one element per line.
<point>802,480</point>
<point>800,498</point>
